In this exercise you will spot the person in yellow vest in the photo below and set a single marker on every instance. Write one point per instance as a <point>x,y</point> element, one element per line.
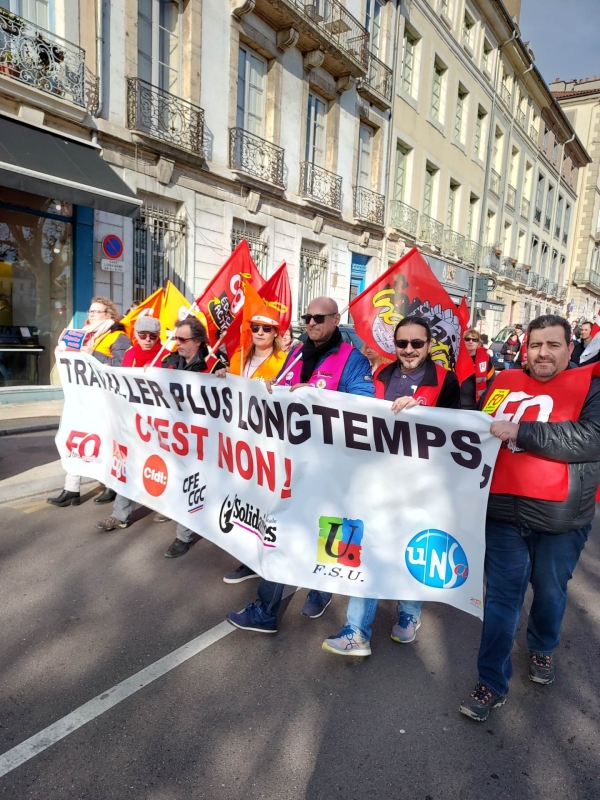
<point>263,361</point>
<point>105,340</point>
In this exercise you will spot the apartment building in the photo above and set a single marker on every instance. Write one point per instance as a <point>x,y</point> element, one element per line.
<point>486,162</point>
<point>580,100</point>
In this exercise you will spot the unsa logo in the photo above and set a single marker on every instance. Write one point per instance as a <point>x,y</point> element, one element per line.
<point>436,559</point>
<point>155,476</point>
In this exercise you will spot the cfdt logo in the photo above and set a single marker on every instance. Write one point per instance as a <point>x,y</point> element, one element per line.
<point>155,476</point>
<point>436,559</point>
<point>85,446</point>
<point>119,460</point>
<point>340,541</point>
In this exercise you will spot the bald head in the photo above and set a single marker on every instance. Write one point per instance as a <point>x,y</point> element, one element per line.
<point>322,305</point>
<point>326,310</point>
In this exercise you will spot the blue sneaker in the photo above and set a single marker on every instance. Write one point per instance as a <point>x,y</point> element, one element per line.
<point>347,643</point>
<point>316,603</point>
<point>253,618</point>
<point>405,631</point>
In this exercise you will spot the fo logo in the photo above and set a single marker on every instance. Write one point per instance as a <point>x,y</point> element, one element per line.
<point>340,541</point>
<point>436,559</point>
<point>155,476</point>
<point>119,460</point>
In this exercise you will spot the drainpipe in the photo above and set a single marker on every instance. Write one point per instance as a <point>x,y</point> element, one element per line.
<point>99,59</point>
<point>488,172</point>
<point>554,210</point>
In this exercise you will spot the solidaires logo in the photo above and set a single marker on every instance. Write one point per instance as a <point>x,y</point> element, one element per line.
<point>436,559</point>
<point>340,541</point>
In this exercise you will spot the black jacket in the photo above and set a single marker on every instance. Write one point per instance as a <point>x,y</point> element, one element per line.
<point>197,364</point>
<point>450,394</point>
<point>576,443</point>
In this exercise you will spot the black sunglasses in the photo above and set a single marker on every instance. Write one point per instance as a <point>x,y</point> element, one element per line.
<point>416,344</point>
<point>471,339</point>
<point>318,318</point>
<point>265,328</point>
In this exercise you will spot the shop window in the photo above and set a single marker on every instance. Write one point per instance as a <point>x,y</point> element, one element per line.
<point>158,251</point>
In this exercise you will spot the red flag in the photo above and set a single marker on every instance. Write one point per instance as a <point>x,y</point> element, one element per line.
<point>275,293</point>
<point>223,298</point>
<point>464,364</point>
<point>408,288</point>
<point>595,326</point>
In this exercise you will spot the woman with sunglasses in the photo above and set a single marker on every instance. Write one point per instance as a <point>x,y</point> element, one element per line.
<point>475,386</point>
<point>146,333</point>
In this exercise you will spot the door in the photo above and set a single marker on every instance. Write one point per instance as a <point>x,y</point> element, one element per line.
<point>252,70</point>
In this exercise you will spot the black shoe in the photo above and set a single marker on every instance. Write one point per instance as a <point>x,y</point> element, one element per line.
<point>65,499</point>
<point>179,548</point>
<point>480,702</point>
<point>541,668</point>
<point>107,496</point>
<point>242,573</point>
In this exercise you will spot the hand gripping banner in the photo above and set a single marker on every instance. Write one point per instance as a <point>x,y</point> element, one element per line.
<point>313,488</point>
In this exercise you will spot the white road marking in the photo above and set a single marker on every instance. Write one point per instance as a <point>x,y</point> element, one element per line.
<point>103,702</point>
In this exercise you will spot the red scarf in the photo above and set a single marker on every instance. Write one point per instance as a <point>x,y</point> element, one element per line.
<point>136,357</point>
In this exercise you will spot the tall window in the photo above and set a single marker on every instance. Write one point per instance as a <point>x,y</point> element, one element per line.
<point>513,167</point>
<point>468,31</point>
<point>539,196</point>
<point>35,11</point>
<point>159,51</point>
<point>365,156</point>
<point>472,217</point>
<point>490,229</point>
<point>257,243</point>
<point>445,7</point>
<point>567,224</point>
<point>436,90</point>
<point>428,190</point>
<point>534,253</point>
<point>408,61</point>
<point>479,123</point>
<point>527,180</point>
<point>459,117</point>
<point>251,90</point>
<point>158,251</point>
<point>401,165</point>
<point>373,24</point>
<point>312,277</point>
<point>559,214</point>
<point>315,130</point>
<point>452,204</point>
<point>486,59</point>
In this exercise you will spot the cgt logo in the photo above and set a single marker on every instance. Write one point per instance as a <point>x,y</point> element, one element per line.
<point>436,559</point>
<point>155,476</point>
<point>85,446</point>
<point>119,460</point>
<point>340,541</point>
<point>194,488</point>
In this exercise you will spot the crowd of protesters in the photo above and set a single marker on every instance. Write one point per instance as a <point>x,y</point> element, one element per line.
<point>539,515</point>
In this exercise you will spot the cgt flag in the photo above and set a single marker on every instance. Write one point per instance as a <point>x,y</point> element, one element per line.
<point>465,366</point>
<point>223,298</point>
<point>409,287</point>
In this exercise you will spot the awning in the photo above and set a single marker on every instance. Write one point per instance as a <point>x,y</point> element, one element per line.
<point>46,164</point>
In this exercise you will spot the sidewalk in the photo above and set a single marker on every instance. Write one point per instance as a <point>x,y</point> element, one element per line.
<point>30,417</point>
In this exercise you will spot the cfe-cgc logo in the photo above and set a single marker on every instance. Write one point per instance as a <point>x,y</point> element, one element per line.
<point>119,460</point>
<point>155,476</point>
<point>245,516</point>
<point>85,446</point>
<point>340,545</point>
<point>194,488</point>
<point>436,559</point>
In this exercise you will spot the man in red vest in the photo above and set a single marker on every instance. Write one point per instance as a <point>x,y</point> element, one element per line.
<point>474,387</point>
<point>413,379</point>
<point>541,505</point>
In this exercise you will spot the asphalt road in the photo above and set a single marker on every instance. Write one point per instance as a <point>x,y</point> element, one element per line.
<point>255,716</point>
<point>20,452</point>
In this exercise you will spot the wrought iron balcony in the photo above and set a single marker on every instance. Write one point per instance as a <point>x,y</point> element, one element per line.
<point>511,196</point>
<point>587,277</point>
<point>520,274</point>
<point>404,218</point>
<point>320,185</point>
<point>491,259</point>
<point>521,117</point>
<point>552,289</point>
<point>453,244</point>
<point>533,280</point>
<point>432,231</point>
<point>39,58</point>
<point>377,86</point>
<point>543,285</point>
<point>534,133</point>
<point>472,252</point>
<point>164,116</point>
<point>525,205</point>
<point>507,268</point>
<point>562,293</point>
<point>547,223</point>
<point>538,215</point>
<point>505,95</point>
<point>323,25</point>
<point>495,182</point>
<point>254,156</point>
<point>369,206</point>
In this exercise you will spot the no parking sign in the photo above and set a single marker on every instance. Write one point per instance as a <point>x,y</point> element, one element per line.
<point>112,247</point>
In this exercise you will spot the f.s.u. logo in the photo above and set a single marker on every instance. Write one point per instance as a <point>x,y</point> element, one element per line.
<point>340,541</point>
<point>436,559</point>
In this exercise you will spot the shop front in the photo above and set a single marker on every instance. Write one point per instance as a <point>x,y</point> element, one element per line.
<point>49,188</point>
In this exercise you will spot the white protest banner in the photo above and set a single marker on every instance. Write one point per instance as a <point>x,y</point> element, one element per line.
<point>313,488</point>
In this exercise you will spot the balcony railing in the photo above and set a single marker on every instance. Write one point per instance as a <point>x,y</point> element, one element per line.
<point>547,223</point>
<point>495,183</point>
<point>562,293</point>
<point>534,133</point>
<point>404,218</point>
<point>320,185</point>
<point>525,205</point>
<point>543,285</point>
<point>453,244</point>
<point>379,81</point>
<point>519,274</point>
<point>533,280</point>
<point>164,116</point>
<point>507,267</point>
<point>586,276</point>
<point>369,206</point>
<point>521,117</point>
<point>538,215</point>
<point>552,289</point>
<point>511,196</point>
<point>472,252</point>
<point>254,156</point>
<point>39,58</point>
<point>432,231</point>
<point>491,259</point>
<point>505,95</point>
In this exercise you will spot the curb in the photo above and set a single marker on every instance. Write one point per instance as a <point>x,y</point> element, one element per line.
<point>21,491</point>
<point>48,426</point>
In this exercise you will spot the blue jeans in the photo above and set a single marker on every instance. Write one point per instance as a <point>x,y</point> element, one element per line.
<point>361,613</point>
<point>513,558</point>
<point>270,595</point>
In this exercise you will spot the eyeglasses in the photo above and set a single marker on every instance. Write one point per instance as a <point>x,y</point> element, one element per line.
<point>265,328</point>
<point>181,340</point>
<point>416,344</point>
<point>147,335</point>
<point>318,318</point>
<point>470,339</point>
<point>97,311</point>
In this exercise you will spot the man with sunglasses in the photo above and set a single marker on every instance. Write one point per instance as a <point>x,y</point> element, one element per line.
<point>475,386</point>
<point>325,362</point>
<point>413,379</point>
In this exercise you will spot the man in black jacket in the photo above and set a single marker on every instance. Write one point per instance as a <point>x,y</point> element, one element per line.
<point>541,505</point>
